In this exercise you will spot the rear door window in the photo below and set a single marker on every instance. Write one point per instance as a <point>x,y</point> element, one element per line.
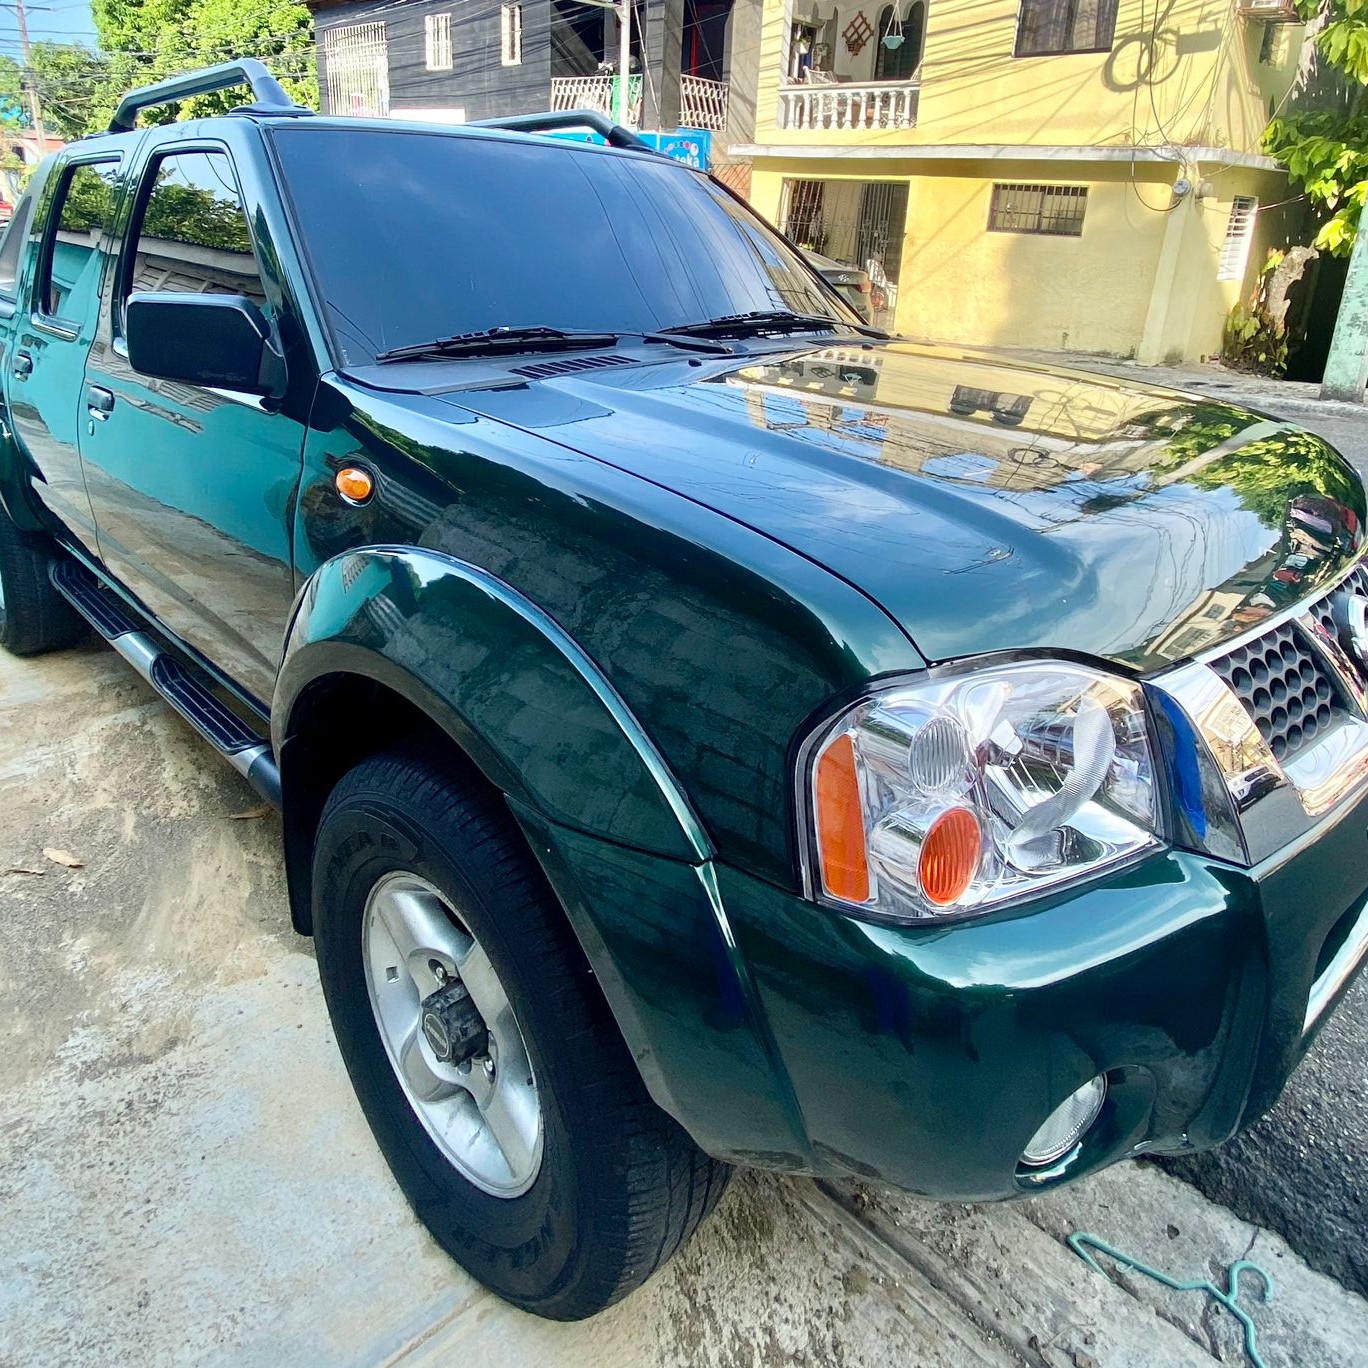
<point>82,215</point>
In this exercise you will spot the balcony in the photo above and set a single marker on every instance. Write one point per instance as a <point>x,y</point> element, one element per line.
<point>702,103</point>
<point>845,105</point>
<point>596,92</point>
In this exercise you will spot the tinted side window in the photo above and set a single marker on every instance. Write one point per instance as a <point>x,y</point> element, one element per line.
<point>84,212</point>
<point>193,235</point>
<point>12,247</point>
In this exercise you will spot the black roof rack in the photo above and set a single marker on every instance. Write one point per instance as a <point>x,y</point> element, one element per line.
<point>266,90</point>
<point>591,119</point>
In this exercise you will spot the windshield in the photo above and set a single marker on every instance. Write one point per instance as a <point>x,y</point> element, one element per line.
<point>414,236</point>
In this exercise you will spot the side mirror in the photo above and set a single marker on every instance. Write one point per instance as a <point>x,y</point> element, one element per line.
<point>221,341</point>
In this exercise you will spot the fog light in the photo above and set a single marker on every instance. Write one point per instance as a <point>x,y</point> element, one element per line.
<point>1066,1124</point>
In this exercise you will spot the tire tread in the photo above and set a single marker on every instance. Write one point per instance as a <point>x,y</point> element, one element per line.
<point>664,1186</point>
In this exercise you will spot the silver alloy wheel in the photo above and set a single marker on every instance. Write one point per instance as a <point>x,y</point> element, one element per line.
<point>483,1114</point>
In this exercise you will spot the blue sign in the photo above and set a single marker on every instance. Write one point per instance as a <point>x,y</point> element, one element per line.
<point>692,146</point>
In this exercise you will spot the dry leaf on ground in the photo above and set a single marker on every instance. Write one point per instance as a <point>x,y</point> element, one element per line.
<point>261,810</point>
<point>24,869</point>
<point>63,857</point>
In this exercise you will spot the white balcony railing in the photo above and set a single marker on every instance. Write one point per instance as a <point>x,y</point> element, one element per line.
<point>596,92</point>
<point>702,103</point>
<point>886,104</point>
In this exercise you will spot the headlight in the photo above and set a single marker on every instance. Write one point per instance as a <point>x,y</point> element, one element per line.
<point>963,792</point>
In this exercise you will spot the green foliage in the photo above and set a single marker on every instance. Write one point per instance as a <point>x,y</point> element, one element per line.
<point>66,77</point>
<point>1254,340</point>
<point>1327,151</point>
<point>150,40</point>
<point>1266,473</point>
<point>187,213</point>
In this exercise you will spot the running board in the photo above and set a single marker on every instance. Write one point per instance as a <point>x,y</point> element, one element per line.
<point>247,752</point>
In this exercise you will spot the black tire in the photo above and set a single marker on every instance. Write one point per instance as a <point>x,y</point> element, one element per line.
<point>621,1186</point>
<point>34,617</point>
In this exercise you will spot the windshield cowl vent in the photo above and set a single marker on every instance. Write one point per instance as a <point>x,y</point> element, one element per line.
<point>568,365</point>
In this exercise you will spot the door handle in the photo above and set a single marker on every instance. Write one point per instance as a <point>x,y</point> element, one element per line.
<point>23,365</point>
<point>100,402</point>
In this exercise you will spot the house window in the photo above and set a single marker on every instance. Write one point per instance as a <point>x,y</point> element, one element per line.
<point>356,70</point>
<point>438,33</point>
<point>1055,210</point>
<point>1052,26</point>
<point>510,35</point>
<point>1238,239</point>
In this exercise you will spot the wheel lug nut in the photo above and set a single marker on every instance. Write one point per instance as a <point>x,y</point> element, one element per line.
<point>438,970</point>
<point>489,1067</point>
<point>463,1067</point>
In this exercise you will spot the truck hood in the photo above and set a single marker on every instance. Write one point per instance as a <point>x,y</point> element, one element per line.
<point>984,503</point>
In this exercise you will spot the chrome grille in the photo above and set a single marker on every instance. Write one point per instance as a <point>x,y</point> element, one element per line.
<point>1289,688</point>
<point>1284,686</point>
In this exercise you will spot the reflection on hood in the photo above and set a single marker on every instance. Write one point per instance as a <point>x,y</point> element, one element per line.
<point>986,504</point>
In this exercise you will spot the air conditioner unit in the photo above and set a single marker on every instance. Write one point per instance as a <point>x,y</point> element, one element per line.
<point>1270,11</point>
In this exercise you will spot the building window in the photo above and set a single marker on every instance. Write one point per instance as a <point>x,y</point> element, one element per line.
<point>356,70</point>
<point>510,35</point>
<point>1046,27</point>
<point>438,33</point>
<point>1238,239</point>
<point>1055,210</point>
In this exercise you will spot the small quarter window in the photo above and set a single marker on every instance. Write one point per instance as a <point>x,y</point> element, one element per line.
<point>510,35</point>
<point>438,34</point>
<point>83,214</point>
<point>12,248</point>
<point>1052,210</point>
<point>192,236</point>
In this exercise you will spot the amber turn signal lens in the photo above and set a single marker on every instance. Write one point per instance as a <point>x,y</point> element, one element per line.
<point>840,824</point>
<point>355,484</point>
<point>950,856</point>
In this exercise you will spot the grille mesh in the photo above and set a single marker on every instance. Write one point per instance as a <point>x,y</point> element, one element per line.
<point>1286,689</point>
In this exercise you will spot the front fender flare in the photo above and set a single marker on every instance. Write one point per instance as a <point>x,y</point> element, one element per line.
<point>502,678</point>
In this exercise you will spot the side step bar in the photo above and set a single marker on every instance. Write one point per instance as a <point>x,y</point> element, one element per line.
<point>247,752</point>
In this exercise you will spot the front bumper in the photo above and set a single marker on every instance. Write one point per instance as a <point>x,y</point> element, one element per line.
<point>785,1034</point>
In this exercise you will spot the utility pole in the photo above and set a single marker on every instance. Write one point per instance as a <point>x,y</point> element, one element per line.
<point>30,85</point>
<point>624,99</point>
<point>1346,368</point>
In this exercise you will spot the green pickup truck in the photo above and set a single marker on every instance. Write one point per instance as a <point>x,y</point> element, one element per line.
<point>706,730</point>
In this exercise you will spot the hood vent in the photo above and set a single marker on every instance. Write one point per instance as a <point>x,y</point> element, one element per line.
<point>570,365</point>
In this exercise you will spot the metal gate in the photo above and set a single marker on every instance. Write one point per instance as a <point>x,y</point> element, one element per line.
<point>859,222</point>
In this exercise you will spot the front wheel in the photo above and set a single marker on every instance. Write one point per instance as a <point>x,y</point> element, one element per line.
<point>483,1054</point>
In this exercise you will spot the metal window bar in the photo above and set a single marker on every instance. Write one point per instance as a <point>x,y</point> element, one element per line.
<point>437,35</point>
<point>356,70</point>
<point>1239,237</point>
<point>1050,210</point>
<point>510,35</point>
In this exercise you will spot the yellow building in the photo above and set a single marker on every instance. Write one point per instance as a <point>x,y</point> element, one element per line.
<point>1067,174</point>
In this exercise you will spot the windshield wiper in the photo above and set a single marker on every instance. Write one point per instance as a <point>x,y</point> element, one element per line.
<point>500,339</point>
<point>538,338</point>
<point>769,320</point>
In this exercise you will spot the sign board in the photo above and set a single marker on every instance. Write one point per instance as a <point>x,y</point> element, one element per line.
<point>692,146</point>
